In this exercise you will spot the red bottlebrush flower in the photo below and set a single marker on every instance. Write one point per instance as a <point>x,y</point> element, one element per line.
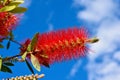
<point>8,21</point>
<point>57,46</point>
<point>3,31</point>
<point>62,45</point>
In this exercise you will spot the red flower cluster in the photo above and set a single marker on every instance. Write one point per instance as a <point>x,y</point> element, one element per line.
<point>57,46</point>
<point>8,21</point>
<point>63,45</point>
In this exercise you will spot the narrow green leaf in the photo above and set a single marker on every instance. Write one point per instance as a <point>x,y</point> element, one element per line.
<point>17,2</point>
<point>33,43</point>
<point>19,10</point>
<point>29,48</point>
<point>1,46</point>
<point>8,64</point>
<point>8,45</point>
<point>6,69</point>
<point>0,63</point>
<point>35,62</point>
<point>24,55</point>
<point>8,8</point>
<point>30,68</point>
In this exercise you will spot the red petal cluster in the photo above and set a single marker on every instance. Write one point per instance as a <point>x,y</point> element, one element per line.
<point>57,46</point>
<point>8,21</point>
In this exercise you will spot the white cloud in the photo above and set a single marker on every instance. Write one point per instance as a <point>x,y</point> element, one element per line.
<point>107,70</point>
<point>95,10</point>
<point>117,56</point>
<point>103,13</point>
<point>74,69</point>
<point>108,33</point>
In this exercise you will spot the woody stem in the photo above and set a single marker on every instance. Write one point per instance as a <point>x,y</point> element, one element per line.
<point>10,58</point>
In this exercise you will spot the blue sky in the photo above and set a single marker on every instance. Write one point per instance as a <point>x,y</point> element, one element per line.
<point>101,17</point>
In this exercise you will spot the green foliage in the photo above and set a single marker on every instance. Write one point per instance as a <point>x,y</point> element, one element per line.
<point>0,62</point>
<point>24,55</point>
<point>35,62</point>
<point>8,64</point>
<point>16,2</point>
<point>8,45</point>
<point>13,6</point>
<point>33,43</point>
<point>4,65</point>
<point>8,8</point>
<point>18,10</point>
<point>6,69</point>
<point>30,46</point>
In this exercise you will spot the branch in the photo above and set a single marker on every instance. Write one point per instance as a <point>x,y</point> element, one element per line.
<point>12,40</point>
<point>12,58</point>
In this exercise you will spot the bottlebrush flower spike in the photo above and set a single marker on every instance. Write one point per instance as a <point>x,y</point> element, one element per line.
<point>8,21</point>
<point>63,44</point>
<point>57,46</point>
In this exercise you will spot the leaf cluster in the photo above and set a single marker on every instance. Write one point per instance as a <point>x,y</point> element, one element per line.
<point>12,6</point>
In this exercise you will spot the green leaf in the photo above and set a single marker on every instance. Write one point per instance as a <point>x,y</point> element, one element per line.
<point>35,62</point>
<point>24,55</point>
<point>8,45</point>
<point>17,2</point>
<point>8,64</point>
<point>1,46</point>
<point>33,42</point>
<point>0,63</point>
<point>6,69</point>
<point>30,68</point>
<point>19,10</point>
<point>8,8</point>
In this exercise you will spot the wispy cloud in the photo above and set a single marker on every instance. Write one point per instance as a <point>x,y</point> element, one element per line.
<point>50,17</point>
<point>50,27</point>
<point>95,10</point>
<point>48,21</point>
<point>74,69</point>
<point>105,15</point>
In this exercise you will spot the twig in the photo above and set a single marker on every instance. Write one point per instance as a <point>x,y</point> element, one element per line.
<point>16,42</point>
<point>12,40</point>
<point>11,58</point>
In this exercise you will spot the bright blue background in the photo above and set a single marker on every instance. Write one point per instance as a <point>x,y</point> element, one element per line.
<point>40,14</point>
